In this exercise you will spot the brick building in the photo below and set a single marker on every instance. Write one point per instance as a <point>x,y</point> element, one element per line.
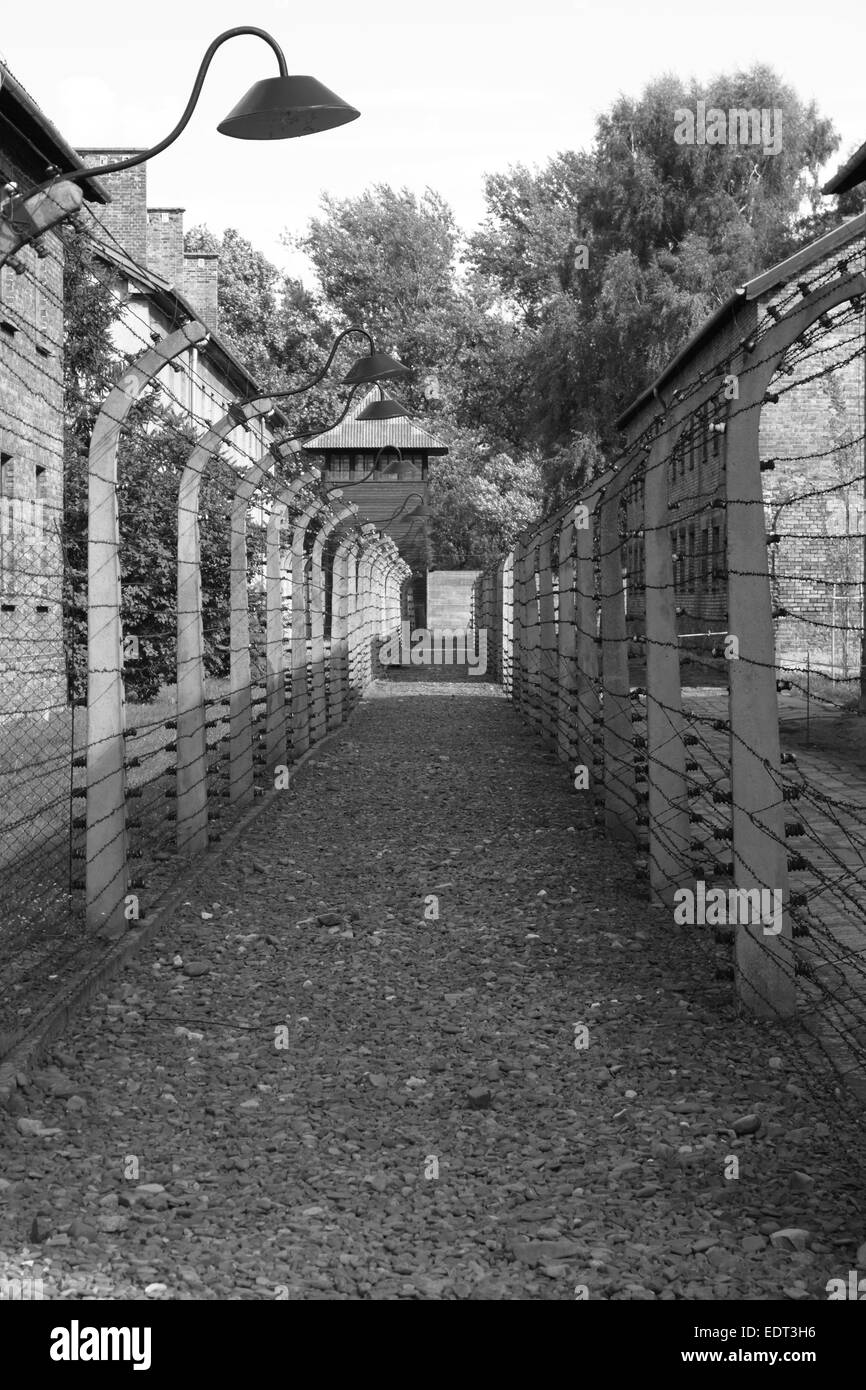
<point>811,448</point>
<point>32,666</point>
<point>157,286</point>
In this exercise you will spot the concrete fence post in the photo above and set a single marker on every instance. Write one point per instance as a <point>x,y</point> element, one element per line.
<point>300,622</point>
<point>548,666</point>
<point>508,624</point>
<point>587,619</point>
<point>667,799</point>
<point>339,656</point>
<point>279,606</point>
<point>566,645</point>
<point>241,766</point>
<point>191,718</point>
<point>106,874</point>
<point>318,711</point>
<point>764,962</point>
<point>352,619</point>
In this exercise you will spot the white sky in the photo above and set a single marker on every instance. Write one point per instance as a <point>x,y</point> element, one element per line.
<point>447,90</point>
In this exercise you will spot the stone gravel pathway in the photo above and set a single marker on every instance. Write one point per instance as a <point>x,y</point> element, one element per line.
<point>420,1036</point>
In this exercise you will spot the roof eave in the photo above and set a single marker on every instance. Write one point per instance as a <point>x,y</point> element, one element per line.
<point>753,289</point>
<point>62,153</point>
<point>851,173</point>
<point>169,300</point>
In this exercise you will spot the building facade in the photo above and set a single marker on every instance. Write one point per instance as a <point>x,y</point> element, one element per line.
<point>158,286</point>
<point>32,662</point>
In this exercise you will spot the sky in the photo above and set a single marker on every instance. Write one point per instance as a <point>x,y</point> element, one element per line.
<point>448,91</point>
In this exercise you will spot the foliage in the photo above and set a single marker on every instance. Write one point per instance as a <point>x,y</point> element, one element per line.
<point>669,231</point>
<point>279,330</point>
<point>480,500</point>
<point>154,447</point>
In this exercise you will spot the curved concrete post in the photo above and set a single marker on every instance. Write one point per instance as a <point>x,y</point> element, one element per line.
<point>764,962</point>
<point>318,712</point>
<point>191,728</point>
<point>531,632</point>
<point>241,774</point>
<point>548,661</point>
<point>587,642</point>
<point>495,622</point>
<point>374,609</point>
<point>566,742</point>
<point>353,620</point>
<point>276,737</point>
<point>620,804</point>
<point>300,617</point>
<point>402,577</point>
<point>106,849</point>
<point>386,560</point>
<point>667,799</point>
<point>508,581</point>
<point>389,562</point>
<point>518,674</point>
<point>342,599</point>
<point>365,603</point>
<point>395,574</point>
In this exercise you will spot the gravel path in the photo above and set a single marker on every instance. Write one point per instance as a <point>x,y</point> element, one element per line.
<point>312,1086</point>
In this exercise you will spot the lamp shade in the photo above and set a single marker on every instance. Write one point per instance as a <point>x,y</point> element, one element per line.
<point>383,409</point>
<point>374,367</point>
<point>280,108</point>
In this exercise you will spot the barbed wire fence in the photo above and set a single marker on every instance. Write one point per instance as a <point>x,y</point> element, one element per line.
<point>664,631</point>
<point>168,661</point>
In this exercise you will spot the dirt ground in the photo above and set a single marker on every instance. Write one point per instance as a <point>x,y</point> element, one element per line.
<point>419,1036</point>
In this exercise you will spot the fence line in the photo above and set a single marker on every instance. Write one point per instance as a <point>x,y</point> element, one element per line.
<point>129,784</point>
<point>592,646</point>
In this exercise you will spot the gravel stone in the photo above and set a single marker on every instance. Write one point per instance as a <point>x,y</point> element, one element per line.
<point>429,1130</point>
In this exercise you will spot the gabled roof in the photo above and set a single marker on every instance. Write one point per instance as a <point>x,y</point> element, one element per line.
<point>851,173</point>
<point>44,140</point>
<point>762,284</point>
<point>352,434</point>
<point>170,301</point>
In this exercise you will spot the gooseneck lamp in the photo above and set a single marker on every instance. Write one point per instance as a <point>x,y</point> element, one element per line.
<point>276,108</point>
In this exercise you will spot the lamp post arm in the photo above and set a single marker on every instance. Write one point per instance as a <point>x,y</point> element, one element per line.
<point>321,429</point>
<point>100,170</point>
<point>314,381</point>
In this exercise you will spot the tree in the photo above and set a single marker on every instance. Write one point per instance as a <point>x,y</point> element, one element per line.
<point>280,330</point>
<point>387,261</point>
<point>480,500</point>
<point>610,259</point>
